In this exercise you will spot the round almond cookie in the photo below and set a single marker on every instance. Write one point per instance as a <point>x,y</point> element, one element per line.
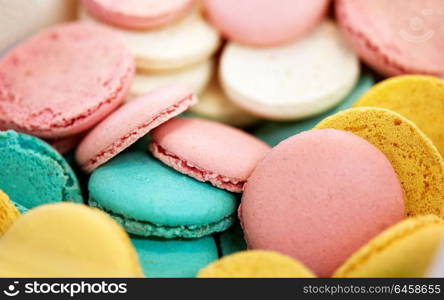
<point>313,198</point>
<point>131,122</point>
<point>265,22</point>
<point>204,150</point>
<point>64,80</point>
<point>138,14</point>
<point>418,98</point>
<point>294,81</point>
<point>395,36</point>
<point>416,160</point>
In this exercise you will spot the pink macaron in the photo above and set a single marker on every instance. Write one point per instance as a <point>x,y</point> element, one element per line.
<point>319,196</point>
<point>395,36</point>
<point>64,80</point>
<point>265,22</point>
<point>208,151</point>
<point>130,122</point>
<point>138,14</point>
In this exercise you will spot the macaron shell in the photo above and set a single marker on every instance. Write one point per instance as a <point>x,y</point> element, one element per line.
<point>255,264</point>
<point>8,213</point>
<point>418,98</point>
<point>36,245</point>
<point>416,160</point>
<point>404,250</point>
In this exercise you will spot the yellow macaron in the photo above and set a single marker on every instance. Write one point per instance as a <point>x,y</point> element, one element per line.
<point>255,264</point>
<point>404,250</point>
<point>417,162</point>
<point>418,98</point>
<point>8,213</point>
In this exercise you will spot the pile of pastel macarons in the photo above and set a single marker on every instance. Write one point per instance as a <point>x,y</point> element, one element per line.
<point>235,138</point>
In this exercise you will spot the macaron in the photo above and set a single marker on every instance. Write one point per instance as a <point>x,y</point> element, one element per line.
<point>416,160</point>
<point>436,268</point>
<point>403,250</point>
<point>130,122</point>
<point>178,258</point>
<point>204,150</point>
<point>33,173</point>
<point>255,264</point>
<point>265,22</point>
<point>294,81</point>
<point>313,198</point>
<point>232,240</point>
<point>418,98</point>
<point>273,132</point>
<point>67,240</point>
<point>395,37</point>
<point>8,213</point>
<point>138,14</point>
<point>182,44</point>
<point>195,77</point>
<point>158,201</point>
<point>63,80</point>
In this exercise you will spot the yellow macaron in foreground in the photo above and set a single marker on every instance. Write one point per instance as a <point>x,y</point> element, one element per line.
<point>8,213</point>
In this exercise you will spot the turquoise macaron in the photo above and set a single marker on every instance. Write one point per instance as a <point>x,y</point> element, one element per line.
<point>177,258</point>
<point>273,132</point>
<point>149,198</point>
<point>32,173</point>
<point>232,240</point>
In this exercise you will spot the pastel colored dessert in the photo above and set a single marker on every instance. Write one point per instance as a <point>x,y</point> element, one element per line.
<point>255,264</point>
<point>130,122</point>
<point>8,213</point>
<point>404,250</point>
<point>67,240</point>
<point>313,198</point>
<point>157,201</point>
<point>294,81</point>
<point>265,22</point>
<point>35,98</point>
<point>273,132</point>
<point>179,45</point>
<point>215,105</point>
<point>418,98</point>
<point>394,37</point>
<point>138,14</point>
<point>33,173</point>
<point>195,77</point>
<point>174,258</point>
<point>232,240</point>
<point>436,268</point>
<point>416,160</point>
<point>64,145</point>
<point>204,150</point>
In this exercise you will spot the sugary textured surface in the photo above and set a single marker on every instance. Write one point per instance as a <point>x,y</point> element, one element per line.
<point>208,151</point>
<point>404,250</point>
<point>232,240</point>
<point>273,132</point>
<point>33,173</point>
<point>174,258</point>
<point>8,213</point>
<point>416,160</point>
<point>294,81</point>
<point>130,122</point>
<point>49,86</point>
<point>145,204</point>
<point>265,22</point>
<point>179,45</point>
<point>418,98</point>
<point>313,198</point>
<point>138,14</point>
<point>67,240</point>
<point>255,264</point>
<point>395,36</point>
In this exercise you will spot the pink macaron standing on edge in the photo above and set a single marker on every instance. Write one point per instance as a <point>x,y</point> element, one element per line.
<point>265,22</point>
<point>208,151</point>
<point>64,80</point>
<point>138,14</point>
<point>130,122</point>
<point>395,36</point>
<point>319,196</point>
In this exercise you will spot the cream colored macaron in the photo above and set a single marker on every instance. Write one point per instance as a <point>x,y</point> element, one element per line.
<point>187,42</point>
<point>294,81</point>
